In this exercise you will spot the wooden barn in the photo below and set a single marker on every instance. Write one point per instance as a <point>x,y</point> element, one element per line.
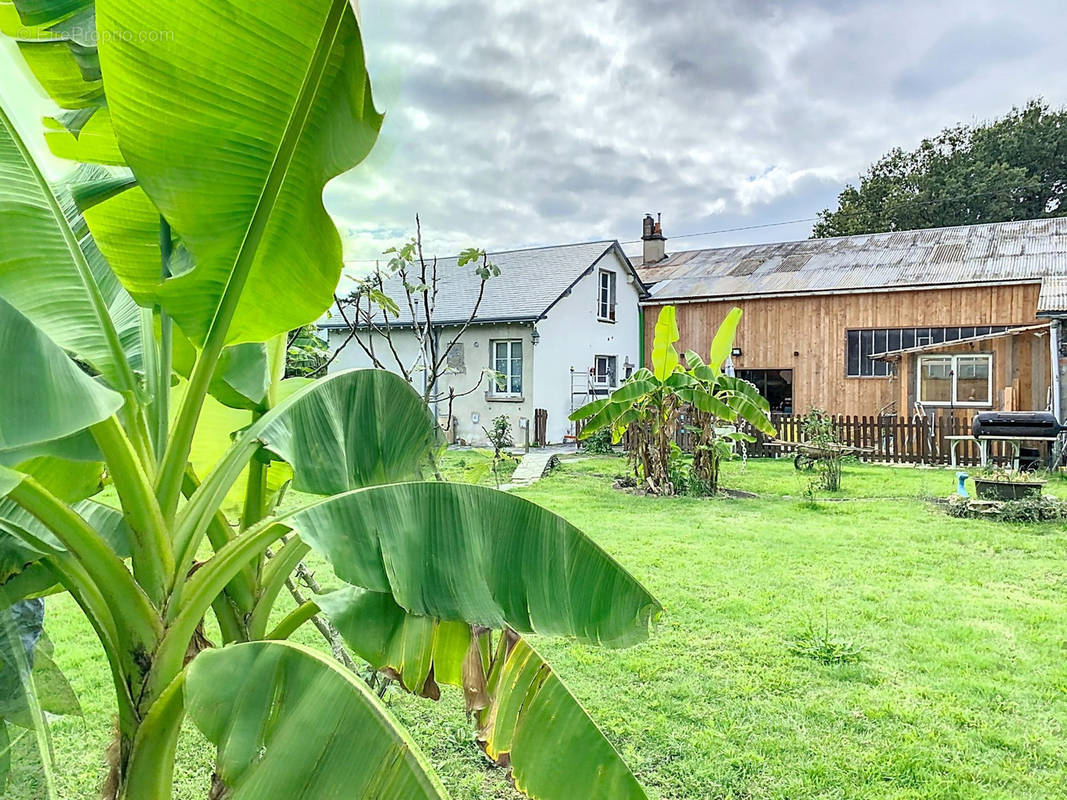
<point>880,324</point>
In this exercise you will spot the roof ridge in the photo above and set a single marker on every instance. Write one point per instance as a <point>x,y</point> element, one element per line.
<point>858,235</point>
<point>605,242</point>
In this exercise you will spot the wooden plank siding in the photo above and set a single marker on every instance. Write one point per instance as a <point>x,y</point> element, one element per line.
<point>806,333</point>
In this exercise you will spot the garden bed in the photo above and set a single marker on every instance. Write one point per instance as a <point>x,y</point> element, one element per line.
<point>990,489</point>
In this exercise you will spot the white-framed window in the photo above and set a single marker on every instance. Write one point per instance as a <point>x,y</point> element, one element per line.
<point>606,371</point>
<point>955,380</point>
<point>605,306</point>
<point>506,361</point>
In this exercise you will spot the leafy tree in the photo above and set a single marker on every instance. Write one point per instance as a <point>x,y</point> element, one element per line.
<point>1010,169</point>
<point>143,323</point>
<point>649,409</point>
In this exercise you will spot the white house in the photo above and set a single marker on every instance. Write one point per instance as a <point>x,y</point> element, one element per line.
<point>559,326</point>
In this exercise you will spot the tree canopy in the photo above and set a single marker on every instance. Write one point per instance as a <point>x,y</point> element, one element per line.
<point>1012,168</point>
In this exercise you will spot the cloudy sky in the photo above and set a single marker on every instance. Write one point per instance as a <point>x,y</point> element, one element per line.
<point>524,123</point>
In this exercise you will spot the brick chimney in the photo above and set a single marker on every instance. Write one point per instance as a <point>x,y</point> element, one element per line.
<point>655,245</point>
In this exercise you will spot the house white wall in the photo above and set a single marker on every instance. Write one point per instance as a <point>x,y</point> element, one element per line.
<point>555,370</point>
<point>471,356</point>
<point>478,409</point>
<point>571,336</point>
<point>354,357</point>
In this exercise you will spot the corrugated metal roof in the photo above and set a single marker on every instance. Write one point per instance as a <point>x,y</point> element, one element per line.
<point>529,282</point>
<point>1053,298</point>
<point>994,253</point>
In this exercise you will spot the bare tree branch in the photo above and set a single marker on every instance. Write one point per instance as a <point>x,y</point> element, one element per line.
<point>470,321</point>
<point>421,299</point>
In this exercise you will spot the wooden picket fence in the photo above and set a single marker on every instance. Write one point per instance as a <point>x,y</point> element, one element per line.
<point>889,439</point>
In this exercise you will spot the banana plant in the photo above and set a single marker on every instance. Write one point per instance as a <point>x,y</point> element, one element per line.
<point>654,405</point>
<point>143,312</point>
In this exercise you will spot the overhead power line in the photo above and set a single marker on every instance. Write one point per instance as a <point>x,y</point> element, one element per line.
<point>839,213</point>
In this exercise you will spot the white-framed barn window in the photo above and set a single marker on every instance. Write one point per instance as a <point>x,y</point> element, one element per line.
<point>506,361</point>
<point>955,380</point>
<point>606,371</point>
<point>605,307</point>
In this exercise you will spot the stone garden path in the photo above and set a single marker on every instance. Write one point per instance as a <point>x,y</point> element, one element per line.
<point>536,463</point>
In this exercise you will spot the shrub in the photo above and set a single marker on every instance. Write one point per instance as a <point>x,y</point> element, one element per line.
<point>1040,508</point>
<point>819,430</point>
<point>500,435</point>
<point>599,443</point>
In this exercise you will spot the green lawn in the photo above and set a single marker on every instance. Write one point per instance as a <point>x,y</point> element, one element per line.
<point>960,690</point>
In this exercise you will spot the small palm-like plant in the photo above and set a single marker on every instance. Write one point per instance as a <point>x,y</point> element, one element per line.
<point>143,319</point>
<point>649,407</point>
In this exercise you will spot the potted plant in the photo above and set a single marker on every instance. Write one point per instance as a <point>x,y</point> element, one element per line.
<point>1007,484</point>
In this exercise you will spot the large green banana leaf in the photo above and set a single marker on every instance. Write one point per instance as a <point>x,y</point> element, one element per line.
<point>723,342</point>
<point>125,226</point>
<point>41,12</point>
<point>55,66</point>
<point>665,359</point>
<point>44,272</point>
<point>44,395</point>
<point>30,683</point>
<point>526,716</point>
<point>92,141</point>
<point>535,724</point>
<point>288,722</point>
<point>417,651</point>
<point>59,47</point>
<point>65,478</point>
<point>240,178</point>
<point>351,430</point>
<point>467,553</point>
<point>78,447</point>
<point>214,435</point>
<point>123,310</point>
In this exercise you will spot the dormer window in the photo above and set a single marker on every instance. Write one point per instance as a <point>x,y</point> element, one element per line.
<point>606,296</point>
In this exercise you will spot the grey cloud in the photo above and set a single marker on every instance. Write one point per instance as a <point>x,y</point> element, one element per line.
<point>515,123</point>
<point>962,53</point>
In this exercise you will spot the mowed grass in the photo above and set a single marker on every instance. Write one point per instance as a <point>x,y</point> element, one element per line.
<point>960,690</point>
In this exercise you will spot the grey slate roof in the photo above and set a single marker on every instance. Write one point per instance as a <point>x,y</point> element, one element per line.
<point>1053,298</point>
<point>1002,252</point>
<point>530,281</point>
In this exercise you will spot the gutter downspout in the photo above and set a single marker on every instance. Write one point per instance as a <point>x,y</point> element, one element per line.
<point>1054,347</point>
<point>641,337</point>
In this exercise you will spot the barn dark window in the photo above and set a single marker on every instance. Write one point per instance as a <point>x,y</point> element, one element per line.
<point>860,345</point>
<point>776,385</point>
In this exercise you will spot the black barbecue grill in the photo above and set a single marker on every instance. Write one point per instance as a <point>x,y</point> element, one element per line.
<point>1021,424</point>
